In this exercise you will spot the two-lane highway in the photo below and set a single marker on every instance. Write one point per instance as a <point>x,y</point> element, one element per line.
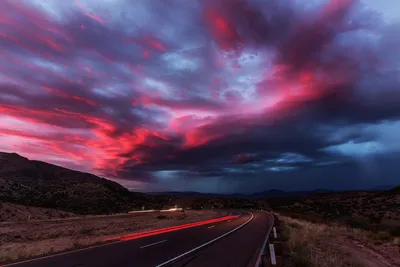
<point>234,242</point>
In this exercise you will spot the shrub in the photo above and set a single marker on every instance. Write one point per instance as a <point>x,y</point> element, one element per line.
<point>54,235</point>
<point>86,231</point>
<point>359,222</point>
<point>295,225</point>
<point>6,258</point>
<point>182,217</point>
<point>383,236</point>
<point>76,245</point>
<point>285,233</point>
<point>300,255</point>
<point>395,231</point>
<point>22,255</point>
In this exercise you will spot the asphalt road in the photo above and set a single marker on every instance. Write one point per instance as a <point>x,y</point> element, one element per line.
<point>237,244</point>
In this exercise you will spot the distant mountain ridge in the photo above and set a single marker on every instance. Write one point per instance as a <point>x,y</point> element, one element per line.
<point>273,193</point>
<point>383,188</point>
<point>193,193</point>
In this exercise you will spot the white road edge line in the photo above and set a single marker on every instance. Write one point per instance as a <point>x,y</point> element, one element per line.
<point>258,263</point>
<point>229,220</point>
<point>211,226</point>
<point>205,244</point>
<point>152,244</point>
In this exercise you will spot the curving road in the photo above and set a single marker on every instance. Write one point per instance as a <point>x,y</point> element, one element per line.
<point>233,243</point>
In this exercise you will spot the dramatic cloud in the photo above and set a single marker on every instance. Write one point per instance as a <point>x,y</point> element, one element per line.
<point>221,95</point>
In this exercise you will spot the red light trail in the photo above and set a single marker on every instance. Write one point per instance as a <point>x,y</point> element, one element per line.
<point>168,229</point>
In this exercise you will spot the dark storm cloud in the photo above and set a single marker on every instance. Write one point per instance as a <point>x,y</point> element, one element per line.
<point>245,158</point>
<point>228,90</point>
<point>307,45</point>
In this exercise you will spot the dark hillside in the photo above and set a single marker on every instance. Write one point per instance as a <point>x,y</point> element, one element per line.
<point>41,184</point>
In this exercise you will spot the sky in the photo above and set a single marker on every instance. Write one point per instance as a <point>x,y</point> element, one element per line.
<point>215,96</point>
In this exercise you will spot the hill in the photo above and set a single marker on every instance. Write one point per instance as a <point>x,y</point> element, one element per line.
<point>36,183</point>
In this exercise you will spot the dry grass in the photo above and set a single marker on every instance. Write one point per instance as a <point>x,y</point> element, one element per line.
<point>10,212</point>
<point>320,245</point>
<point>372,211</point>
<point>27,239</point>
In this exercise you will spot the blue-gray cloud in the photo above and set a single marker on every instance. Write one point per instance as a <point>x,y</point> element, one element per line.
<point>211,95</point>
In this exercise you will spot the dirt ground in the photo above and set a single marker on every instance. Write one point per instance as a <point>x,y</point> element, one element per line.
<point>367,251</point>
<point>37,237</point>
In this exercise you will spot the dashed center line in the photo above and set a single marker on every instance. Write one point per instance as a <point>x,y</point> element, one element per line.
<point>205,244</point>
<point>152,244</point>
<point>211,226</point>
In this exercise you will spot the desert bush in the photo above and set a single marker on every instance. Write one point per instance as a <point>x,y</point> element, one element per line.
<point>294,225</point>
<point>383,236</point>
<point>182,217</point>
<point>86,231</point>
<point>395,231</point>
<point>301,255</point>
<point>5,258</point>
<point>54,235</point>
<point>359,222</point>
<point>76,245</point>
<point>285,233</point>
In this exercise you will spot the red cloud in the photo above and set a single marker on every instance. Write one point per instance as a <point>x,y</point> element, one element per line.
<point>63,94</point>
<point>222,29</point>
